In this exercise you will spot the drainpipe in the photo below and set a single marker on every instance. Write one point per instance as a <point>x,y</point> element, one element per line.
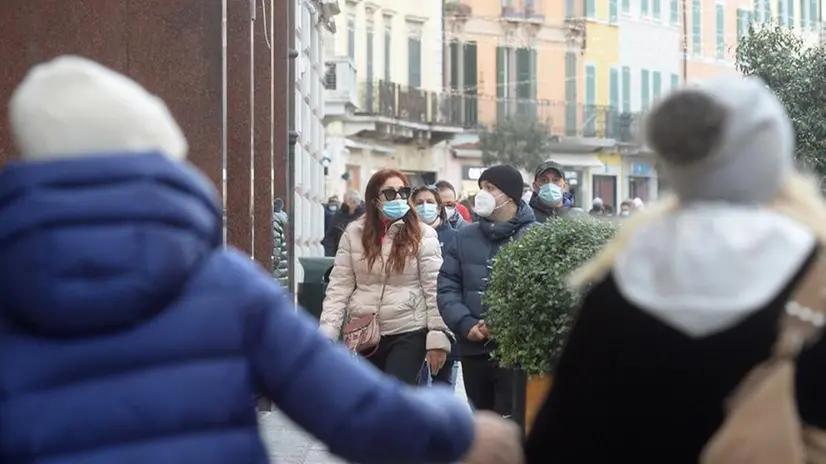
<point>445,50</point>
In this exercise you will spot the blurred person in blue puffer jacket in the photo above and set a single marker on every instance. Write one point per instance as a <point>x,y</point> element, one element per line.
<point>129,334</point>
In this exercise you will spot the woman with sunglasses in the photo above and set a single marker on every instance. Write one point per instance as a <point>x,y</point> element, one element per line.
<point>387,264</point>
<point>431,211</point>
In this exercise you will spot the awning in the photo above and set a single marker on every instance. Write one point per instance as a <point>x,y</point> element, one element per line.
<point>584,160</point>
<point>366,146</point>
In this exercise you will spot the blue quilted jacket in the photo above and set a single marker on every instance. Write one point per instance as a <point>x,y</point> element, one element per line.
<point>128,334</point>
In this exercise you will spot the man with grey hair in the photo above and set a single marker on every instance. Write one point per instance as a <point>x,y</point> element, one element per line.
<point>350,210</point>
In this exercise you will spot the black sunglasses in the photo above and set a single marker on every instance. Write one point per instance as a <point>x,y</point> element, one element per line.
<point>391,194</point>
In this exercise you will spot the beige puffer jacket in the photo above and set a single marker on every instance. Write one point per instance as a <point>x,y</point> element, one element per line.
<point>409,302</point>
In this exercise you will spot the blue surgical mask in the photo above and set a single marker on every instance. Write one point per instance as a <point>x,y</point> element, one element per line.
<point>428,212</point>
<point>551,194</point>
<point>395,209</point>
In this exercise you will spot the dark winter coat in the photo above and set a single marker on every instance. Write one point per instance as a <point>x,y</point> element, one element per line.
<point>466,270</point>
<point>339,222</point>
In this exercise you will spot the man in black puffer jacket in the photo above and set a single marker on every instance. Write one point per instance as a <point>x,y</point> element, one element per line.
<point>504,217</point>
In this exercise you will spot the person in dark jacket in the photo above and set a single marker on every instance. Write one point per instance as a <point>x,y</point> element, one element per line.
<point>124,314</point>
<point>432,212</point>
<point>330,209</point>
<point>349,211</point>
<point>463,277</point>
<point>549,188</point>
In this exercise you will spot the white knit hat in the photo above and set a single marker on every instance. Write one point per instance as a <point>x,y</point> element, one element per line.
<point>754,153</point>
<point>73,107</point>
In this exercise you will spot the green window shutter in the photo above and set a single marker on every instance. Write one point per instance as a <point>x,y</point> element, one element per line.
<point>500,83</point>
<point>740,32</point>
<point>644,11</point>
<point>614,103</point>
<point>570,94</point>
<point>589,112</point>
<point>758,9</point>
<point>792,19</point>
<point>454,64</point>
<point>675,11</point>
<point>626,89</point>
<point>696,27</point>
<point>657,8</point>
<point>470,69</point>
<point>657,85</point>
<point>675,81</point>
<point>781,12</point>
<point>471,104</point>
<point>626,6</point>
<point>645,90</point>
<point>570,8</point>
<point>414,62</point>
<point>590,8</point>
<point>721,33</point>
<point>804,18</point>
<point>369,58</point>
<point>613,12</point>
<point>351,39</point>
<point>388,41</point>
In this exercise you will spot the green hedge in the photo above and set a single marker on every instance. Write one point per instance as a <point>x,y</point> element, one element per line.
<point>531,309</point>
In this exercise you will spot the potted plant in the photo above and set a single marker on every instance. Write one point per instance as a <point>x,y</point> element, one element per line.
<point>530,307</point>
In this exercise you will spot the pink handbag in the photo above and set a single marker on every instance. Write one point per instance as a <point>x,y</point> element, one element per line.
<point>362,334</point>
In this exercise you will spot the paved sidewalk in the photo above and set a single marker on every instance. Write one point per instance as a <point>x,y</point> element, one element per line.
<point>288,444</point>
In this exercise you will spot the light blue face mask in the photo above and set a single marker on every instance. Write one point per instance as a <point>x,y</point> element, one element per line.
<point>428,212</point>
<point>551,194</point>
<point>395,209</point>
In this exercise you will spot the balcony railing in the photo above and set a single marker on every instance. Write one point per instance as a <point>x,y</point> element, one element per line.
<point>403,103</point>
<point>563,118</point>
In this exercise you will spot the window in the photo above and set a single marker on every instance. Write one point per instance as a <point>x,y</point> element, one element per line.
<point>645,91</point>
<point>454,61</point>
<point>758,10</point>
<point>658,7</point>
<point>570,9</point>
<point>388,48</point>
<point>721,33</point>
<point>656,85</point>
<point>804,15</point>
<point>515,82</point>
<point>674,9</point>
<point>696,27</point>
<point>626,89</point>
<point>414,62</point>
<point>644,8</point>
<point>790,17</point>
<point>675,81</point>
<point>813,15</point>
<point>590,111</point>
<point>744,20</point>
<point>767,10</point>
<point>351,38</point>
<point>626,6</point>
<point>614,103</point>
<point>570,94</point>
<point>590,8</point>
<point>781,13</point>
<point>612,11</point>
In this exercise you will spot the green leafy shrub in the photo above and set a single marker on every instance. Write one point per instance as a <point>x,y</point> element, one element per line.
<point>531,309</point>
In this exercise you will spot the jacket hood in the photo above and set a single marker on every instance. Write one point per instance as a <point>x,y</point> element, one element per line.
<point>97,244</point>
<point>496,231</point>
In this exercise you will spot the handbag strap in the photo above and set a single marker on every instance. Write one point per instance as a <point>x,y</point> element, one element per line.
<point>804,316</point>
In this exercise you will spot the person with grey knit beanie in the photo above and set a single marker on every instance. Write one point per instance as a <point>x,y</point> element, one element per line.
<point>689,297</point>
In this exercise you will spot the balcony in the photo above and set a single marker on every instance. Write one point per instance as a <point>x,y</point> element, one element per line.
<point>563,119</point>
<point>341,91</point>
<point>457,9</point>
<point>629,128</point>
<point>409,106</point>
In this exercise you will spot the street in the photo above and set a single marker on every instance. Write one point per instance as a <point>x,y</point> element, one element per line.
<point>288,444</point>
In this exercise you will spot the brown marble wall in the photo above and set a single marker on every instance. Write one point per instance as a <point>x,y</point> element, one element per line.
<point>174,49</point>
<point>263,137</point>
<point>239,125</point>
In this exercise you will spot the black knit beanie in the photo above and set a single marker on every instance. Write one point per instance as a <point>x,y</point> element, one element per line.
<point>505,178</point>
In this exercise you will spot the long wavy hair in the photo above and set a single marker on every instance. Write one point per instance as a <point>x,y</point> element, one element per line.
<point>407,240</point>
